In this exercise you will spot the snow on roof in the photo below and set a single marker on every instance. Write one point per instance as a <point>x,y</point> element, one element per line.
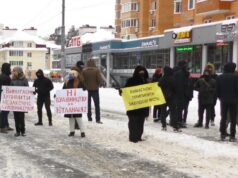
<point>23,36</point>
<point>100,35</point>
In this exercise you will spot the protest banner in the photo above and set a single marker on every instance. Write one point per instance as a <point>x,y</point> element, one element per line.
<point>14,98</point>
<point>71,101</point>
<point>142,96</point>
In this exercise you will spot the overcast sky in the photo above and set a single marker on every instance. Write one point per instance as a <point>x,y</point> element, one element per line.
<point>45,15</point>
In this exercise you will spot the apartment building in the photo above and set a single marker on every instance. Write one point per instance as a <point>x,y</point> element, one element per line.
<point>141,18</point>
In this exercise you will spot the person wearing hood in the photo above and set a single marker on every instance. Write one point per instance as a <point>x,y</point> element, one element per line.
<point>227,92</point>
<point>43,86</point>
<point>211,68</point>
<point>156,109</point>
<point>137,116</point>
<point>92,81</point>
<point>19,79</point>
<point>167,85</point>
<point>5,80</point>
<point>206,87</point>
<point>75,80</point>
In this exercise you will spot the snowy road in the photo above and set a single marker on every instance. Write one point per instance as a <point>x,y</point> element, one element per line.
<point>105,152</point>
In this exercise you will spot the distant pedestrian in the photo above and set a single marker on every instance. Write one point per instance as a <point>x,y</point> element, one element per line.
<point>19,79</point>
<point>75,81</point>
<point>5,80</point>
<point>92,81</point>
<point>206,87</point>
<point>157,109</point>
<point>137,116</point>
<point>43,86</point>
<point>227,92</point>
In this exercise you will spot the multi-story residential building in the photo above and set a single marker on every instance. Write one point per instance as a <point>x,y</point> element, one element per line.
<point>141,18</point>
<point>25,50</point>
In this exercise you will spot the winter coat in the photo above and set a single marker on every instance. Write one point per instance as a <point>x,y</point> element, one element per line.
<point>92,77</point>
<point>5,79</point>
<point>167,84</point>
<point>206,87</point>
<point>227,85</point>
<point>43,86</point>
<point>70,84</point>
<point>136,80</point>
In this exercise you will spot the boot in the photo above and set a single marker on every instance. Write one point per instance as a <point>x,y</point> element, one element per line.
<point>232,139</point>
<point>82,134</point>
<point>71,134</point>
<point>38,123</point>
<point>3,130</point>
<point>50,123</point>
<point>198,125</point>
<point>10,129</point>
<point>17,134</point>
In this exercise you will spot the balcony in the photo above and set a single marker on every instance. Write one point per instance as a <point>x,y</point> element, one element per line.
<point>212,7</point>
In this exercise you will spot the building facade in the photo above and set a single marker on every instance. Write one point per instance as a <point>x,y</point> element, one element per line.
<point>140,18</point>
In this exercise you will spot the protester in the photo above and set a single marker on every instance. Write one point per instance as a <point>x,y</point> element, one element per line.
<point>167,85</point>
<point>75,81</point>
<point>92,81</point>
<point>137,116</point>
<point>157,109</point>
<point>43,86</point>
<point>19,79</point>
<point>227,92</point>
<point>206,87</point>
<point>5,80</point>
<point>211,68</point>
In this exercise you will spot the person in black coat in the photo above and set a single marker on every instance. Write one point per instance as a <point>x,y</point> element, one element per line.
<point>156,109</point>
<point>167,85</point>
<point>206,87</point>
<point>6,81</point>
<point>181,77</point>
<point>227,92</point>
<point>75,81</point>
<point>43,86</point>
<point>137,116</point>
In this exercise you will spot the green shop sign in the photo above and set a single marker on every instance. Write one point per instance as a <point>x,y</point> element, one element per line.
<point>188,48</point>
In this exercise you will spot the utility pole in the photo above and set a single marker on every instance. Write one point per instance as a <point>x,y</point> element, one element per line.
<point>63,57</point>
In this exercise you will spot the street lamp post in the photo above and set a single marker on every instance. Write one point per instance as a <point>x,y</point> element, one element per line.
<point>63,58</point>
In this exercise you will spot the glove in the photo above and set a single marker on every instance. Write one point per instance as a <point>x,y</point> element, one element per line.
<point>54,95</point>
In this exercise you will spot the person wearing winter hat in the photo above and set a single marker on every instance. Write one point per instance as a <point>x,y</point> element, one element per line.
<point>157,109</point>
<point>43,86</point>
<point>75,80</point>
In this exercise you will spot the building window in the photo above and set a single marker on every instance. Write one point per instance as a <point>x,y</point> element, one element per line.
<point>207,20</point>
<point>130,23</point>
<point>16,63</point>
<point>230,17</point>
<point>153,5</point>
<point>153,22</point>
<point>130,7</point>
<point>15,53</point>
<point>191,4</point>
<point>118,15</point>
<point>29,65</point>
<point>29,45</point>
<point>177,6</point>
<point>118,1</point>
<point>17,44</point>
<point>29,54</point>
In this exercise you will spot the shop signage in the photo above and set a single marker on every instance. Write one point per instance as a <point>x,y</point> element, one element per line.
<point>149,43</point>
<point>103,47</point>
<point>187,48</point>
<point>228,33</point>
<point>74,41</point>
<point>182,37</point>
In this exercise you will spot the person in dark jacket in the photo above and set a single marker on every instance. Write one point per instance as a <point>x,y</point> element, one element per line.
<point>206,87</point>
<point>137,116</point>
<point>43,86</point>
<point>75,81</point>
<point>5,80</point>
<point>181,77</point>
<point>227,92</point>
<point>211,68</point>
<point>19,79</point>
<point>167,85</point>
<point>156,109</point>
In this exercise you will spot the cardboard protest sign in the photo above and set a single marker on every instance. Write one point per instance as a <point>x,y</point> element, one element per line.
<point>71,101</point>
<point>142,96</point>
<point>17,98</point>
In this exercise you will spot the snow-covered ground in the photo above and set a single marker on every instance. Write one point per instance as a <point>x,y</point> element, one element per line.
<point>106,151</point>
